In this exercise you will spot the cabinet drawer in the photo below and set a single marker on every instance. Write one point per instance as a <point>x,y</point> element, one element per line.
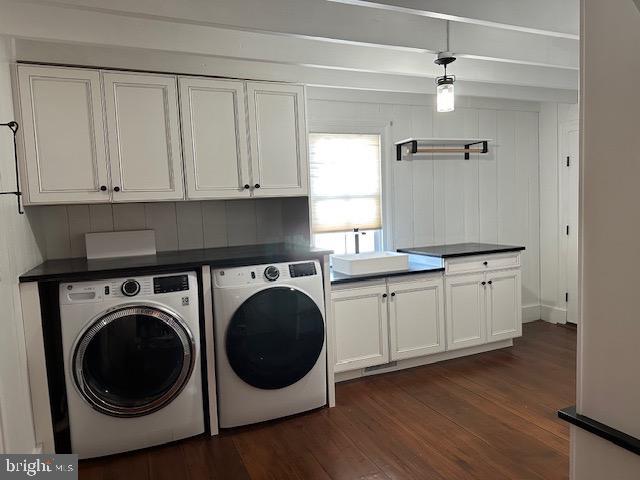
<point>482,262</point>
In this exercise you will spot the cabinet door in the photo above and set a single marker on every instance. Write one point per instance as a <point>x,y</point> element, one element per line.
<point>278,133</point>
<point>465,297</point>
<point>144,137</point>
<point>416,318</point>
<point>214,135</point>
<point>504,306</point>
<point>361,324</point>
<point>65,157</point>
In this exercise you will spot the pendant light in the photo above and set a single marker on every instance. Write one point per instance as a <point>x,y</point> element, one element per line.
<point>445,99</point>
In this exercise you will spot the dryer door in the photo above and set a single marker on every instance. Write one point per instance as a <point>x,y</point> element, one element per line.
<point>133,360</point>
<point>275,338</point>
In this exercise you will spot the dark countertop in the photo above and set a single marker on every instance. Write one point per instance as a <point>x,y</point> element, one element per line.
<point>415,266</point>
<point>83,269</point>
<point>461,249</point>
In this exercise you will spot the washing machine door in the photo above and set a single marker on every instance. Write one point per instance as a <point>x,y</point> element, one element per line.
<point>275,338</point>
<point>133,360</point>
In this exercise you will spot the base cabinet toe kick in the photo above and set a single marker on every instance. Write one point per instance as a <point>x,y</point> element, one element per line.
<point>400,322</point>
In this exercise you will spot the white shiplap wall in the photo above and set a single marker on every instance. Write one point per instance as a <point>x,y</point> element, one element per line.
<point>178,225</point>
<point>444,200</point>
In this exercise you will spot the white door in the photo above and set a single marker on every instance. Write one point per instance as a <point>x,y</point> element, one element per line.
<point>361,324</point>
<point>465,312</point>
<point>569,186</point>
<point>143,128</point>
<point>278,135</point>
<point>214,135</point>
<point>504,306</point>
<point>63,132</point>
<point>416,318</point>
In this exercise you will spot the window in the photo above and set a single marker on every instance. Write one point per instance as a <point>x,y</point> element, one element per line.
<point>345,191</point>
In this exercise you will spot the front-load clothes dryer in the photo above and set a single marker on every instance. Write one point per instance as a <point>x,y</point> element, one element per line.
<point>132,362</point>
<point>270,341</point>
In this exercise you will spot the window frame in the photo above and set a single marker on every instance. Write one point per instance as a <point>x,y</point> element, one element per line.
<point>365,128</point>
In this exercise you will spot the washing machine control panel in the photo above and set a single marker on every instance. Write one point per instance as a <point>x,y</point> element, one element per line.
<point>134,288</point>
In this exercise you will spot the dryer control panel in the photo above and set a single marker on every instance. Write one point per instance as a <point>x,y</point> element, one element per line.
<point>274,273</point>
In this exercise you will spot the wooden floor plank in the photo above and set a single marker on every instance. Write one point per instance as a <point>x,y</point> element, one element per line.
<point>488,416</point>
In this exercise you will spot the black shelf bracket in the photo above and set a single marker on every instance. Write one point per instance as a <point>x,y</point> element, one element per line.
<point>414,148</point>
<point>485,148</point>
<point>13,126</point>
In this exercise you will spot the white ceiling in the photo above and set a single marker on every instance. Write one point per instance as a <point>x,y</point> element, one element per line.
<point>531,46</point>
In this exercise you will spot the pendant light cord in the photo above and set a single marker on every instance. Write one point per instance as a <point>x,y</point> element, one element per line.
<point>448,23</point>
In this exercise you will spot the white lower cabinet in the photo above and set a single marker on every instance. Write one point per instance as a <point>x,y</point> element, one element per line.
<point>416,318</point>
<point>504,305</point>
<point>376,323</point>
<point>466,301</point>
<point>483,307</point>
<point>361,323</point>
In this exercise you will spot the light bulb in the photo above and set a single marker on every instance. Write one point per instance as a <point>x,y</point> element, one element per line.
<point>445,100</point>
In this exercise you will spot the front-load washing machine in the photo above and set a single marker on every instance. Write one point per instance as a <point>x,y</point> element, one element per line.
<point>132,362</point>
<point>270,341</point>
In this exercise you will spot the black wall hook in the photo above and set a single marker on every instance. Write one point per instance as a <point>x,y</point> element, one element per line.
<point>13,126</point>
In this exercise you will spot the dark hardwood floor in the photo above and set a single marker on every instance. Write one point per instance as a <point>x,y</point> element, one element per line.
<point>489,416</point>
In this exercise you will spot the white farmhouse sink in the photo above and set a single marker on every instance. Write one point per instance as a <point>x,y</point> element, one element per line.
<point>370,263</point>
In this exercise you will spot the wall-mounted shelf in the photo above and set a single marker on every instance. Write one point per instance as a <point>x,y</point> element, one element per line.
<point>467,146</point>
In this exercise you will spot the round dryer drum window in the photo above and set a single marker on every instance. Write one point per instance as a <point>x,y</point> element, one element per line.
<point>133,360</point>
<point>275,338</point>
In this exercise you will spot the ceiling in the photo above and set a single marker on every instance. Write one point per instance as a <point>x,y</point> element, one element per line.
<point>529,50</point>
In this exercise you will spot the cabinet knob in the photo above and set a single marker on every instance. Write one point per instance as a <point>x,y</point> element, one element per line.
<point>485,263</point>
<point>393,294</point>
<point>103,188</point>
<point>247,186</point>
<point>483,283</point>
<point>384,295</point>
<point>490,282</point>
<point>257,185</point>
<point>116,189</point>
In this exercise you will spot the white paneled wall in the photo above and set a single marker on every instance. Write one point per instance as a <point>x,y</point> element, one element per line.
<point>178,225</point>
<point>444,199</point>
<point>18,252</point>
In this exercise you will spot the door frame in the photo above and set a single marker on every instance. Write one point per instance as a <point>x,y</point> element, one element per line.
<point>563,242</point>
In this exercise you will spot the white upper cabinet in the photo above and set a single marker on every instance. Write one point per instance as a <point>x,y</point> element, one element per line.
<point>466,310</point>
<point>416,318</point>
<point>214,133</point>
<point>504,309</point>
<point>62,126</point>
<point>106,136</point>
<point>143,129</point>
<point>278,137</point>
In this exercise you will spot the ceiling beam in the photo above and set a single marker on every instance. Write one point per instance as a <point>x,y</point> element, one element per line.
<point>556,18</point>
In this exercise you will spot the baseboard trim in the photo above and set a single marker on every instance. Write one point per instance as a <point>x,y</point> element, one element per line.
<point>531,313</point>
<point>426,360</point>
<point>552,314</point>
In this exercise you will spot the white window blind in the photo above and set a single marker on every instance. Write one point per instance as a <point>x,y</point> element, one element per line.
<point>345,182</point>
